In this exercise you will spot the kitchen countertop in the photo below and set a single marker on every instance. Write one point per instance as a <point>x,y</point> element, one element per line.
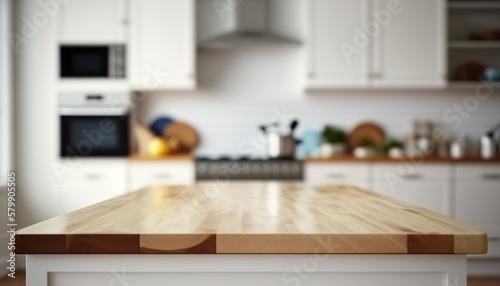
<point>274,218</point>
<point>174,157</point>
<point>386,159</point>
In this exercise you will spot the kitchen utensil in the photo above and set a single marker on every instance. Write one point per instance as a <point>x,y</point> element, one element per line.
<point>492,74</point>
<point>311,141</point>
<point>159,124</point>
<point>364,152</point>
<point>263,128</point>
<point>142,137</point>
<point>488,146</point>
<point>411,148</point>
<point>458,149</point>
<point>281,146</point>
<point>496,136</point>
<point>395,153</point>
<point>293,126</point>
<point>368,130</point>
<point>184,133</point>
<point>425,145</point>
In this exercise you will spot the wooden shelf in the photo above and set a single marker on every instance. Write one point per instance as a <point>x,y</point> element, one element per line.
<point>474,4</point>
<point>466,44</point>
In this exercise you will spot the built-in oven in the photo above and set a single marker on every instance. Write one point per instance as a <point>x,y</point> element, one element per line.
<point>92,61</point>
<point>94,125</point>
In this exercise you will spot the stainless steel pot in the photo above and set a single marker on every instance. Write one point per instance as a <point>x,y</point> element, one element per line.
<point>280,146</point>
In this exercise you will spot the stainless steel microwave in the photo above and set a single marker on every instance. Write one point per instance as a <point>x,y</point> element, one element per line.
<point>92,61</point>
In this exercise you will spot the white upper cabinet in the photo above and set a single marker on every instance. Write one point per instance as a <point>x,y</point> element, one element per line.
<point>409,50</point>
<point>162,44</point>
<point>331,31</point>
<point>380,43</point>
<point>93,21</point>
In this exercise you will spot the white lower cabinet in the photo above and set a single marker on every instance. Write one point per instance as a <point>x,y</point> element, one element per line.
<point>90,181</point>
<point>478,201</point>
<point>147,173</point>
<point>426,186</point>
<point>433,196</point>
<point>356,174</point>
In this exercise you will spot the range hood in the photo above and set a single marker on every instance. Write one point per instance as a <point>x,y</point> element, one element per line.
<point>242,23</point>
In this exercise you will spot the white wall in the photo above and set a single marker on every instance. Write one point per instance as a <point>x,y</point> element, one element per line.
<point>36,118</point>
<point>239,89</point>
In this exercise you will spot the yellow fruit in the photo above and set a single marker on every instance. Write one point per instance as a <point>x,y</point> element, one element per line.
<point>158,147</point>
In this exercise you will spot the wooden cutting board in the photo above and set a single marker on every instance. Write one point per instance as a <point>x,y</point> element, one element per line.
<point>142,137</point>
<point>366,129</point>
<point>184,134</point>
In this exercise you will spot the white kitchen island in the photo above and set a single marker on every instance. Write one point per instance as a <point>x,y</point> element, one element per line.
<point>250,234</point>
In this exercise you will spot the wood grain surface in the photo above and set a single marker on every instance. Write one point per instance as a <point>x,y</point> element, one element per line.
<point>271,217</point>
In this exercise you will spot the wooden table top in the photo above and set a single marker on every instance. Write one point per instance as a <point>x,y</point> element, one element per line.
<point>242,217</point>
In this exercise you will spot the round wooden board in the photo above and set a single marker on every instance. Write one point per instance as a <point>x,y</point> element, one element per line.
<point>365,129</point>
<point>188,139</point>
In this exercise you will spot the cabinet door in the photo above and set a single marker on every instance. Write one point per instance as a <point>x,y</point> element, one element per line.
<point>93,21</point>
<point>409,44</point>
<point>334,59</point>
<point>424,185</point>
<point>92,181</point>
<point>429,195</point>
<point>338,174</point>
<point>145,174</point>
<point>478,204</point>
<point>163,44</point>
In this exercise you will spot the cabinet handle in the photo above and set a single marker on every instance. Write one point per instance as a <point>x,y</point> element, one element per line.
<point>95,97</point>
<point>335,176</point>
<point>162,176</point>
<point>491,176</point>
<point>493,239</point>
<point>412,177</point>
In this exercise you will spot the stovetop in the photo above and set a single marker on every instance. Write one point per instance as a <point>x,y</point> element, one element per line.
<point>245,168</point>
<point>241,159</point>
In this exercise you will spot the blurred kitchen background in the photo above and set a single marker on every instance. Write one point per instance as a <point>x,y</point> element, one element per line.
<point>102,97</point>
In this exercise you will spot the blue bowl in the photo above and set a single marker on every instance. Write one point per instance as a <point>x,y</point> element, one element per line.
<point>159,124</point>
<point>492,74</point>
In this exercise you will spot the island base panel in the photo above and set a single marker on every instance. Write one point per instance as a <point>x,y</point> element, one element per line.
<point>247,270</point>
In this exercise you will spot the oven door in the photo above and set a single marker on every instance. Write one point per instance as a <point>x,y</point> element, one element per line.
<point>99,133</point>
